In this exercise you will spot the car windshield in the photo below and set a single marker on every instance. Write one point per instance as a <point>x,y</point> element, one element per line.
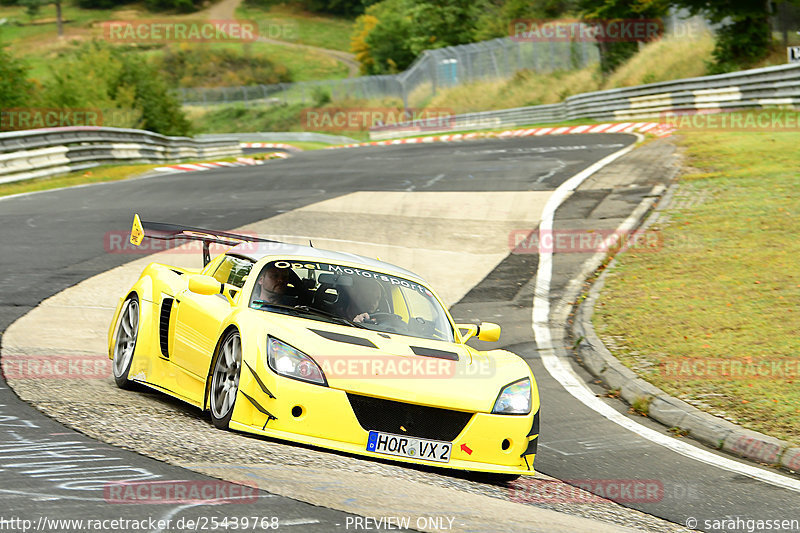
<point>351,296</point>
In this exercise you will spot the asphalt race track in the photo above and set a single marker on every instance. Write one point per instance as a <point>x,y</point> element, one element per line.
<point>54,240</point>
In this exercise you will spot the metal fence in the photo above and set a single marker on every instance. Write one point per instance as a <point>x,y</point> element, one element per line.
<point>777,86</point>
<point>433,70</point>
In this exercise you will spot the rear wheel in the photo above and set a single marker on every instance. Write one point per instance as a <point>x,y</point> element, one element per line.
<point>225,380</point>
<point>125,342</point>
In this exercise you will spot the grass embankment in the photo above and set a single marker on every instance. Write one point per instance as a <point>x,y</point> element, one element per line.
<point>663,60</point>
<point>725,285</point>
<point>666,59</point>
<point>35,39</point>
<point>288,22</point>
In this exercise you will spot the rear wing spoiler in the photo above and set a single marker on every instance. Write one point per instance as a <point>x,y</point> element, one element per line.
<point>169,232</point>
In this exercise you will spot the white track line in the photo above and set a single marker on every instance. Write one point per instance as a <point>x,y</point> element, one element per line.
<point>562,372</point>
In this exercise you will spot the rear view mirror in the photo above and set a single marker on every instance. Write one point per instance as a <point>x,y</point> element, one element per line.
<point>485,331</point>
<point>489,332</point>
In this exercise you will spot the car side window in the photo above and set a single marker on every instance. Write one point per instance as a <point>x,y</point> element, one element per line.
<point>233,270</point>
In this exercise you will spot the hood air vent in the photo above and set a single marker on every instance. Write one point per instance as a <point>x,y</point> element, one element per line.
<point>430,352</point>
<point>341,337</point>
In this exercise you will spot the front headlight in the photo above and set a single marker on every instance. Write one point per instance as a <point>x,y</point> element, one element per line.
<point>288,361</point>
<point>514,399</point>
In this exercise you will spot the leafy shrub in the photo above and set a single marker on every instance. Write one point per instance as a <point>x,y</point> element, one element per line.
<point>14,85</point>
<point>96,75</point>
<point>203,66</point>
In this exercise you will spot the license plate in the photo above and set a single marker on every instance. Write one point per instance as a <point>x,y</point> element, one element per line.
<point>404,446</point>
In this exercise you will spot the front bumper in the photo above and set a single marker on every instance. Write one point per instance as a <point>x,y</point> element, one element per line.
<point>322,416</point>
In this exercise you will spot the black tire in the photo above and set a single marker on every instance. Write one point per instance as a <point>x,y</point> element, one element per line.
<point>224,380</point>
<point>125,342</point>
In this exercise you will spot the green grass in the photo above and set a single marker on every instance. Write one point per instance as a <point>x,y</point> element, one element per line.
<point>308,145</point>
<point>303,64</point>
<point>287,22</point>
<point>725,285</point>
<point>20,26</point>
<point>96,175</point>
<point>36,43</point>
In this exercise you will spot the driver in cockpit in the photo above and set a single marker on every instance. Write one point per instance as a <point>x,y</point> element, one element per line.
<point>365,297</point>
<point>274,286</point>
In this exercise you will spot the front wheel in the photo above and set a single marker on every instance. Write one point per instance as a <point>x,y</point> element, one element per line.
<point>125,342</point>
<point>225,380</point>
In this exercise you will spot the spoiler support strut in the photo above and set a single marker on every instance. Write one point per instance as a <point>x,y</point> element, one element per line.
<point>170,232</point>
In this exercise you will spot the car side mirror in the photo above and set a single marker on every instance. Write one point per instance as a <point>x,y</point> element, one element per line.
<point>206,285</point>
<point>485,331</point>
<point>489,332</point>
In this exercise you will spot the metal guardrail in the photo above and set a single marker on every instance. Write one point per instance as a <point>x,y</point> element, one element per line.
<point>756,88</point>
<point>40,153</point>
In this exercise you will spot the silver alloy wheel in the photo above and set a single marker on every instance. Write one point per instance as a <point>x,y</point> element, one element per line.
<point>225,381</point>
<point>126,337</point>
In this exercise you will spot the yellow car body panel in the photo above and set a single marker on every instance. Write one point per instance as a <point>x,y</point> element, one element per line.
<point>177,343</point>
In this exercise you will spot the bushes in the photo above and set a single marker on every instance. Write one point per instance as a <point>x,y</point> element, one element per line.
<point>161,111</point>
<point>238,118</point>
<point>14,85</point>
<point>129,91</point>
<point>203,66</point>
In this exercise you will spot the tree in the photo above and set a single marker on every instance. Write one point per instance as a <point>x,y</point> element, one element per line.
<point>358,42</point>
<point>614,53</point>
<point>346,8</point>
<point>498,15</point>
<point>34,6</point>
<point>392,33</point>
<point>745,35</point>
<point>443,23</point>
<point>388,43</point>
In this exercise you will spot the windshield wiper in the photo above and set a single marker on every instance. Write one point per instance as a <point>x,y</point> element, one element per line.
<point>311,311</point>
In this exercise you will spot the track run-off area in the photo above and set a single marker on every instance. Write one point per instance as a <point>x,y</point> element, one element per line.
<point>451,212</point>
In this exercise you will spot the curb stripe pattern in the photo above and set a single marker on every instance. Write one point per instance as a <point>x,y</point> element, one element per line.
<point>240,162</point>
<point>287,147</point>
<point>658,129</point>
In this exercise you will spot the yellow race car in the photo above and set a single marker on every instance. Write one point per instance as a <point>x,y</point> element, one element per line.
<point>324,348</point>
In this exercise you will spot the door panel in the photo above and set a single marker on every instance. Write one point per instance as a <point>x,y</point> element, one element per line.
<point>196,327</point>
